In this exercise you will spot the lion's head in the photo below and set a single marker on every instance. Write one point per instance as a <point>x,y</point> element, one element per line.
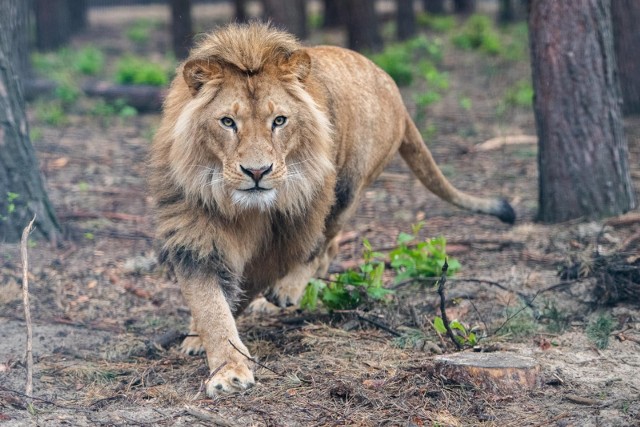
<point>247,134</point>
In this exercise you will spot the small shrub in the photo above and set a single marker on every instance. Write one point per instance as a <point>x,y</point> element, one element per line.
<point>396,61</point>
<point>425,259</point>
<point>51,113</point>
<point>132,70</point>
<point>140,31</point>
<point>599,330</point>
<point>440,24</point>
<point>462,334</point>
<point>520,95</point>
<point>519,322</point>
<point>89,61</point>
<point>477,33</point>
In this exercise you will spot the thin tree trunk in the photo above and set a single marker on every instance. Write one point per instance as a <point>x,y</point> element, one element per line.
<point>77,15</point>
<point>334,14</point>
<point>435,7</point>
<point>291,16</point>
<point>52,23</point>
<point>583,156</point>
<point>22,191</point>
<point>464,7</point>
<point>181,29</point>
<point>626,40</point>
<point>405,19</point>
<point>240,7</point>
<point>362,26</point>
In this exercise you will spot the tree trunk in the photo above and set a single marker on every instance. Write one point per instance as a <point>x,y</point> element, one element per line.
<point>23,193</point>
<point>464,7</point>
<point>77,15</point>
<point>334,14</point>
<point>435,7</point>
<point>292,17</point>
<point>240,8</point>
<point>405,19</point>
<point>362,26</point>
<point>626,41</point>
<point>583,155</point>
<point>181,30</point>
<point>52,23</point>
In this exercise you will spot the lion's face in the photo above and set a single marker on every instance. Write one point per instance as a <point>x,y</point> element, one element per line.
<point>255,141</point>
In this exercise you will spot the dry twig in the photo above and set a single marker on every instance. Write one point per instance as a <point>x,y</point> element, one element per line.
<point>208,417</point>
<point>27,307</point>
<point>443,300</point>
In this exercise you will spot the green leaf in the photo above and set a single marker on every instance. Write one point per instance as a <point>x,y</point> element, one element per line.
<point>404,238</point>
<point>454,324</point>
<point>438,324</point>
<point>310,298</point>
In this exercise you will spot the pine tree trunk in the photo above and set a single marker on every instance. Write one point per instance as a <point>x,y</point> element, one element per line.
<point>464,7</point>
<point>77,15</point>
<point>22,192</point>
<point>435,7</point>
<point>334,14</point>
<point>626,40</point>
<point>291,16</point>
<point>240,8</point>
<point>362,26</point>
<point>583,155</point>
<point>181,29</point>
<point>405,19</point>
<point>52,23</point>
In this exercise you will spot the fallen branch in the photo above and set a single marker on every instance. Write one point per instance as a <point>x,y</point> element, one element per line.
<point>443,300</point>
<point>27,307</point>
<point>256,362</point>
<point>501,141</point>
<point>208,417</point>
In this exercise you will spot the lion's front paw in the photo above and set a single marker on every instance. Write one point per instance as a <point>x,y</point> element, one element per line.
<point>233,377</point>
<point>192,345</point>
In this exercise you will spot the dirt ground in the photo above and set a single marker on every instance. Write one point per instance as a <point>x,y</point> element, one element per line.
<point>99,301</point>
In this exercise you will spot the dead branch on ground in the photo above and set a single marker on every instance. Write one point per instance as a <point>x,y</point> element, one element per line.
<point>443,301</point>
<point>27,307</point>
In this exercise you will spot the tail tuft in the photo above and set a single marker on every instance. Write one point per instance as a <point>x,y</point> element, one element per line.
<point>505,212</point>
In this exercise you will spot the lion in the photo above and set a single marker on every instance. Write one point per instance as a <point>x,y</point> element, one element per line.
<point>263,151</point>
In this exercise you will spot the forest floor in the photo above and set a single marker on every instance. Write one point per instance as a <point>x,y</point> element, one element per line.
<point>99,301</point>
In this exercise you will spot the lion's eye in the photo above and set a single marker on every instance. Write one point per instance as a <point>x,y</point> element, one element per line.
<point>228,122</point>
<point>279,121</point>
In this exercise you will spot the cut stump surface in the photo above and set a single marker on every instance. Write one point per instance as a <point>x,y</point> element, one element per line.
<point>499,372</point>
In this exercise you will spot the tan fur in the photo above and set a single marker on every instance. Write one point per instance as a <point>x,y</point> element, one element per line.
<point>344,120</point>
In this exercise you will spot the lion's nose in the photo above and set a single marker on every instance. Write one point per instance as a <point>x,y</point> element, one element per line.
<point>257,174</point>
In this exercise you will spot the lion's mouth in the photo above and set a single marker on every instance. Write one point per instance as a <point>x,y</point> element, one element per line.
<point>256,189</point>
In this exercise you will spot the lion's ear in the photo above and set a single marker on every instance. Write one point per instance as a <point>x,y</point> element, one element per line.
<point>298,64</point>
<point>197,72</point>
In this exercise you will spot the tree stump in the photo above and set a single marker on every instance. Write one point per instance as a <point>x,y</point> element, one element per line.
<point>499,372</point>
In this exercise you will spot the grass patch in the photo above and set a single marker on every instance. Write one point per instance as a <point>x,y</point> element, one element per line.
<point>132,70</point>
<point>478,33</point>
<point>599,330</point>
<point>140,31</point>
<point>437,23</point>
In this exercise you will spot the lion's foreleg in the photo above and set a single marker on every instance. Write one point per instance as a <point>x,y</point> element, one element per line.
<point>216,329</point>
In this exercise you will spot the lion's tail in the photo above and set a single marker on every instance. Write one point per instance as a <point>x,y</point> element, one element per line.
<point>418,157</point>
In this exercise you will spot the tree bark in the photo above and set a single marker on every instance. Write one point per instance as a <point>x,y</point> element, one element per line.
<point>435,7</point>
<point>334,14</point>
<point>626,41</point>
<point>583,155</point>
<point>52,23</point>
<point>77,15</point>
<point>464,7</point>
<point>362,26</point>
<point>405,19</point>
<point>240,8</point>
<point>292,16</point>
<point>181,29</point>
<point>23,193</point>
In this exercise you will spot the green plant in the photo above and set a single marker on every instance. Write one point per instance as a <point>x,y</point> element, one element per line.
<point>107,111</point>
<point>140,31</point>
<point>11,206</point>
<point>132,70</point>
<point>599,329</point>
<point>558,321</point>
<point>519,322</point>
<point>464,336</point>
<point>89,60</point>
<point>424,259</point>
<point>440,24</point>
<point>396,61</point>
<point>519,95</point>
<point>465,103</point>
<point>478,33</point>
<point>51,112</point>
<point>350,289</point>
